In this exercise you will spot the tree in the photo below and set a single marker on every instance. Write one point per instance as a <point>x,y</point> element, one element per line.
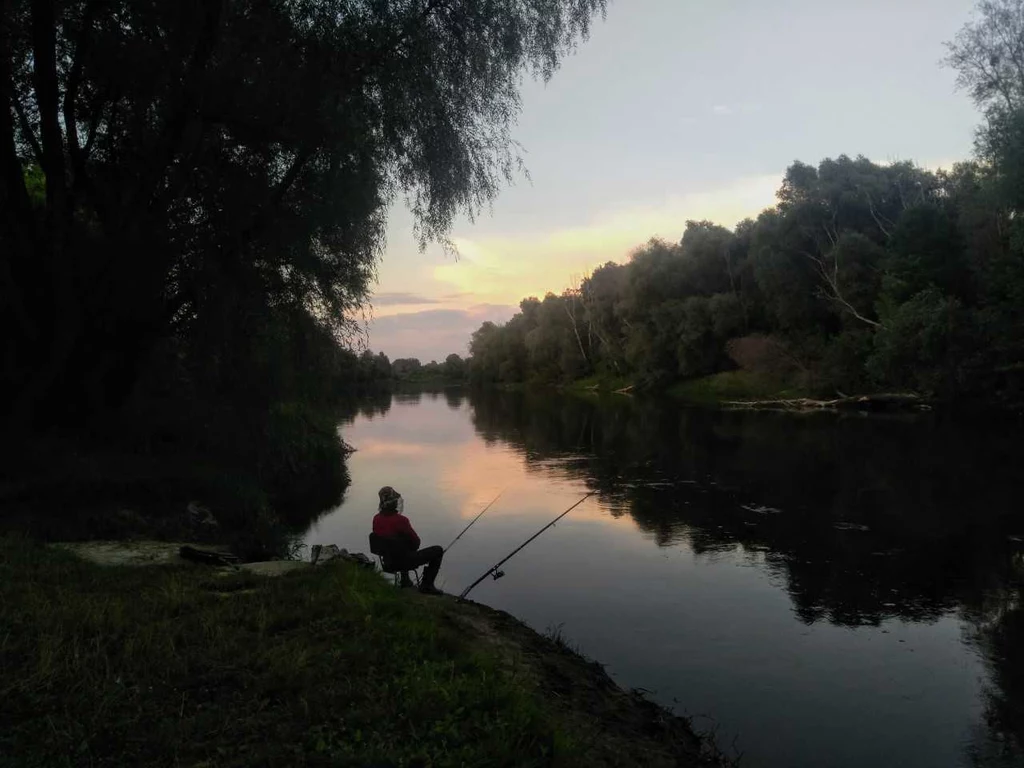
<point>920,344</point>
<point>207,161</point>
<point>862,275</point>
<point>454,368</point>
<point>601,294</point>
<point>404,367</point>
<point>988,55</point>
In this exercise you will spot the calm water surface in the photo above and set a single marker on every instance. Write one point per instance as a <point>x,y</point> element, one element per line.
<point>820,590</point>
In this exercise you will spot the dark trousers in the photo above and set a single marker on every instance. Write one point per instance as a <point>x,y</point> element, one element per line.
<point>428,556</point>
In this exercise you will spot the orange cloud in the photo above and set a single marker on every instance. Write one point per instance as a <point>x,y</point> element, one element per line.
<point>504,269</point>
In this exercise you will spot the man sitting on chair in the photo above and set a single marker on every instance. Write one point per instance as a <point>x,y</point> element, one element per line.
<point>389,523</point>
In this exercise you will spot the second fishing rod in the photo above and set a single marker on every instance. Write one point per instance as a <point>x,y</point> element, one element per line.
<point>497,574</point>
<point>452,544</point>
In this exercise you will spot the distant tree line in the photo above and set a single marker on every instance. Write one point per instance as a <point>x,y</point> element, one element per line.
<point>411,370</point>
<point>377,372</point>
<point>861,277</point>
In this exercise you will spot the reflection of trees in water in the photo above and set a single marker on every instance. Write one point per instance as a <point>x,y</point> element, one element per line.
<point>369,406</point>
<point>879,517</point>
<point>454,396</point>
<point>996,628</point>
<point>863,519</point>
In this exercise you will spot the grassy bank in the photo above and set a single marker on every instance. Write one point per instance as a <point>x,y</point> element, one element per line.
<point>599,383</point>
<point>706,390</point>
<point>733,385</point>
<point>328,666</point>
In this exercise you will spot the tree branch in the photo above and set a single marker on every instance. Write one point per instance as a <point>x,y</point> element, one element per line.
<point>71,94</point>
<point>94,124</point>
<point>44,59</point>
<point>874,215</point>
<point>15,206</point>
<point>828,233</point>
<point>265,214</point>
<point>570,295</point>
<point>834,293</point>
<point>176,122</point>
<point>302,157</point>
<point>27,133</point>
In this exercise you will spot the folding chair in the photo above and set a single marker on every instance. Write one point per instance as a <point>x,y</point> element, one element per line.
<point>389,552</point>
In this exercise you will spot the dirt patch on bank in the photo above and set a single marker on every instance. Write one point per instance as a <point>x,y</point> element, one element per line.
<point>145,553</point>
<point>130,552</point>
<point>623,727</point>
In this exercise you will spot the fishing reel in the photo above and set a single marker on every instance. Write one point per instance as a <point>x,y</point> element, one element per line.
<point>496,574</point>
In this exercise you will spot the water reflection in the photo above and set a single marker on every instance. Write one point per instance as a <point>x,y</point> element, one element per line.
<point>866,518</point>
<point>996,627</point>
<point>886,525</point>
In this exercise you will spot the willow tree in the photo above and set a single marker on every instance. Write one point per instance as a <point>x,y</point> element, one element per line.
<point>170,169</point>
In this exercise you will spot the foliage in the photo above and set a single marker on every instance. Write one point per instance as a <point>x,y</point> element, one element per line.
<point>987,55</point>
<point>862,276</point>
<point>411,371</point>
<point>734,385</point>
<point>193,199</point>
<point>915,347</point>
<point>240,168</point>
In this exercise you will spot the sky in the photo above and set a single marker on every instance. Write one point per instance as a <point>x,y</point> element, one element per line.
<point>677,110</point>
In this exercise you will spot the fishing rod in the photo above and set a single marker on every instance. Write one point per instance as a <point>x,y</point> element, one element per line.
<point>474,520</point>
<point>493,570</point>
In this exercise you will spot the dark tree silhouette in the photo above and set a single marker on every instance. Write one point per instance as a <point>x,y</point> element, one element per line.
<point>205,171</point>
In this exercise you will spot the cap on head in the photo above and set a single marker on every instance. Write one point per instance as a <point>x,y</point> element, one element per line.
<point>388,499</point>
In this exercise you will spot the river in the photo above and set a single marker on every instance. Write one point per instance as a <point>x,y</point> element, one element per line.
<point>819,590</point>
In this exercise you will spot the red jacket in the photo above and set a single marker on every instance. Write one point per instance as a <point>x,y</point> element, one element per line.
<point>394,525</point>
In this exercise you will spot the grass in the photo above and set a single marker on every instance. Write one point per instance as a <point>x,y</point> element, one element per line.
<point>103,666</point>
<point>600,383</point>
<point>706,390</point>
<point>733,385</point>
<point>556,635</point>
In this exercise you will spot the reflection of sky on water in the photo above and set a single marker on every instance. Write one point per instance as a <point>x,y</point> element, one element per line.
<point>707,626</point>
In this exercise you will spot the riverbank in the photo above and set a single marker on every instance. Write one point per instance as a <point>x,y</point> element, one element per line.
<point>715,389</point>
<point>329,665</point>
<point>144,473</point>
<point>743,389</point>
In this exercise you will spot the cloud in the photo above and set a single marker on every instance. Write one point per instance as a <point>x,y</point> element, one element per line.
<point>397,299</point>
<point>432,334</point>
<point>722,109</point>
<point>502,269</point>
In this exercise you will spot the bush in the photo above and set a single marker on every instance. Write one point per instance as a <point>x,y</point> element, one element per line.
<point>920,344</point>
<point>759,353</point>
